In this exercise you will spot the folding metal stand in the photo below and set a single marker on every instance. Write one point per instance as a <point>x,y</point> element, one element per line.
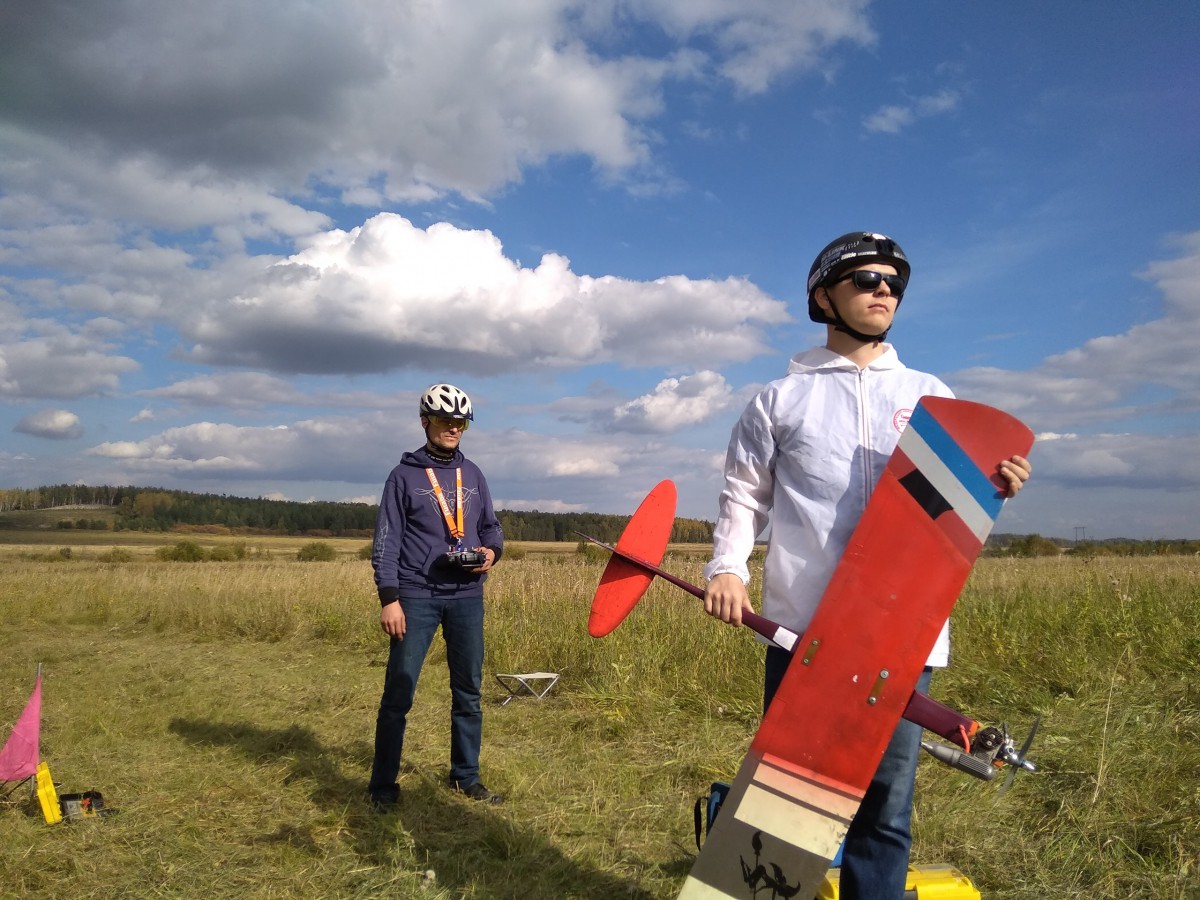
<point>536,684</point>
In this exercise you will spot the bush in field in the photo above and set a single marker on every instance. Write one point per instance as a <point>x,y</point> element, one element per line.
<point>59,555</point>
<point>84,524</point>
<point>317,551</point>
<point>116,555</point>
<point>181,551</point>
<point>591,552</point>
<point>1034,545</point>
<point>364,552</point>
<point>228,552</point>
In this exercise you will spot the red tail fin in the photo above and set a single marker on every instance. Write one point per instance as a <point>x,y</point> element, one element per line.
<point>623,582</point>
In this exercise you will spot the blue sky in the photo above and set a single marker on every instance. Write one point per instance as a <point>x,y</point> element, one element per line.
<point>237,240</point>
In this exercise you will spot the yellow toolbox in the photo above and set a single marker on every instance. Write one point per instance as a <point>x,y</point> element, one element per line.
<point>937,882</point>
<point>47,795</point>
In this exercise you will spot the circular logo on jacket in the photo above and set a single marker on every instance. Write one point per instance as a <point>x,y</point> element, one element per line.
<point>900,419</point>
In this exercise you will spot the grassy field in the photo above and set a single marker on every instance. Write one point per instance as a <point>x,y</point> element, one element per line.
<point>226,710</point>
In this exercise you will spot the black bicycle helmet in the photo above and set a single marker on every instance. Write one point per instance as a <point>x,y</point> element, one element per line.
<point>853,249</point>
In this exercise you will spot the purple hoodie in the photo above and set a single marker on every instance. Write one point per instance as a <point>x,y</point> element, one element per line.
<point>412,536</point>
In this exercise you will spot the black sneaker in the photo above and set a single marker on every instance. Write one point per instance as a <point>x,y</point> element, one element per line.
<point>477,791</point>
<point>385,803</point>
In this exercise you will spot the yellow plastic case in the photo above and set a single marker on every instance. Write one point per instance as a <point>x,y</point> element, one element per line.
<point>47,795</point>
<point>936,882</point>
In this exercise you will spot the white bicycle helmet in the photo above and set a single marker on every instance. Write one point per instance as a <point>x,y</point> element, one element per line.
<point>446,400</point>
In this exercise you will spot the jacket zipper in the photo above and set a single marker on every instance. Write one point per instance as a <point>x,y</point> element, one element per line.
<point>864,432</point>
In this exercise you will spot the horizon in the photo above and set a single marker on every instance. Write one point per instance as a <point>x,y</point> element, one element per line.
<point>994,537</point>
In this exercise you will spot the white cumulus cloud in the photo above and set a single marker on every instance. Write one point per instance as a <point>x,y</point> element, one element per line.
<point>55,424</point>
<point>59,364</point>
<point>389,295</point>
<point>675,403</point>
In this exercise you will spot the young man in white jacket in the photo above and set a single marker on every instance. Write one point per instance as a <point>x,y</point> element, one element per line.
<point>806,454</point>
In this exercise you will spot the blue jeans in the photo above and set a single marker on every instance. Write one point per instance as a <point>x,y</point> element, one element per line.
<point>875,853</point>
<point>461,621</point>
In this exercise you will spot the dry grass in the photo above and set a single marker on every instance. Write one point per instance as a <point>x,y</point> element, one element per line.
<point>227,710</point>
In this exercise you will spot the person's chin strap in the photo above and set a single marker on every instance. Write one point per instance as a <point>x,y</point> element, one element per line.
<point>840,325</point>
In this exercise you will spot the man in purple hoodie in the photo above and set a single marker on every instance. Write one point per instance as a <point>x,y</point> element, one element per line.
<point>436,537</point>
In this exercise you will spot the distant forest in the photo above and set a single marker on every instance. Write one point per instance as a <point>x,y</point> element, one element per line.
<point>158,509</point>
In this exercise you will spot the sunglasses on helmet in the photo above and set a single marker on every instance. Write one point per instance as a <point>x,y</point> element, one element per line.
<point>868,280</point>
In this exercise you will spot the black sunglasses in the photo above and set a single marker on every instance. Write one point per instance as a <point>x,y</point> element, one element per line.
<point>868,280</point>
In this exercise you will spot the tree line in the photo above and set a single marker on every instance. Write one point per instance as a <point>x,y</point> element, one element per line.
<point>159,509</point>
<point>539,526</point>
<point>1031,545</point>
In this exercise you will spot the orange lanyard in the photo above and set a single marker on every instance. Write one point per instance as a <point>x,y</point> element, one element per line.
<point>456,527</point>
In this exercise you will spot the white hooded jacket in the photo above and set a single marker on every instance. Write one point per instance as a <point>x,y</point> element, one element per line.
<point>805,455</point>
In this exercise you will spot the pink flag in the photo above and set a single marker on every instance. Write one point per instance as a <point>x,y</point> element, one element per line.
<point>19,758</point>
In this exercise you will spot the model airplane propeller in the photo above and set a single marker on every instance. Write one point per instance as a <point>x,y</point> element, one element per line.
<point>990,749</point>
<point>1018,761</point>
<point>977,750</point>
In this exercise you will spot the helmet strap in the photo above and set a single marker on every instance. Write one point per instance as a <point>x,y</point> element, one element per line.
<point>839,324</point>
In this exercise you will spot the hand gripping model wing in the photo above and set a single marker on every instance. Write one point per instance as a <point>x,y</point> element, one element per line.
<point>854,670</point>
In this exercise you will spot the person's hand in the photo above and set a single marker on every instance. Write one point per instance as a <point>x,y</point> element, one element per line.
<point>391,619</point>
<point>726,598</point>
<point>491,559</point>
<point>1016,472</point>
